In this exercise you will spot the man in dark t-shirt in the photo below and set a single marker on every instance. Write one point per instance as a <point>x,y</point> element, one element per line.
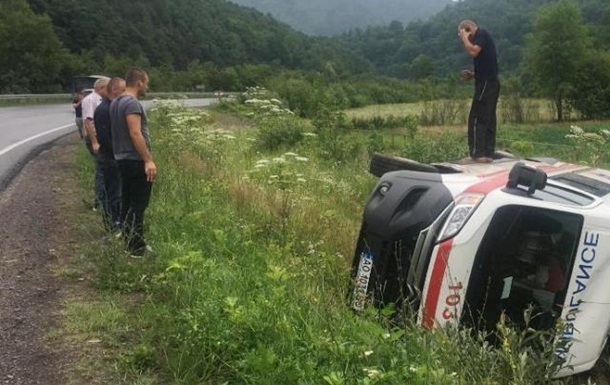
<point>482,118</point>
<point>105,158</point>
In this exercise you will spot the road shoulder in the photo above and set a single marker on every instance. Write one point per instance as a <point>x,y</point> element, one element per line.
<point>38,246</point>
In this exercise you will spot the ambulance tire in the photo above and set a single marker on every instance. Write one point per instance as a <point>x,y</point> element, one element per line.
<point>380,164</point>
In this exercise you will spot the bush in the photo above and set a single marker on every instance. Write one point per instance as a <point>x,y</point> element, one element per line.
<point>444,112</point>
<point>276,133</point>
<point>522,148</point>
<point>437,148</point>
<point>409,123</point>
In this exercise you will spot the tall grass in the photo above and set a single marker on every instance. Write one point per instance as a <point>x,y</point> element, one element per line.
<point>251,272</point>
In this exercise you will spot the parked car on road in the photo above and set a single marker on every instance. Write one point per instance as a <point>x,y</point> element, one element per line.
<point>84,83</point>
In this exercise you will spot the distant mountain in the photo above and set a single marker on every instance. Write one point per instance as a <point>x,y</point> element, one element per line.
<point>333,17</point>
<point>178,32</point>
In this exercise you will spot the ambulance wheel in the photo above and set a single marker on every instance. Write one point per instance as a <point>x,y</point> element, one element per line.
<point>380,164</point>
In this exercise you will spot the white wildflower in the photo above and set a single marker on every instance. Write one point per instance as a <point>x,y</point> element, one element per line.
<point>301,180</point>
<point>279,160</point>
<point>309,134</point>
<point>368,353</point>
<point>372,373</point>
<point>301,159</point>
<point>290,154</point>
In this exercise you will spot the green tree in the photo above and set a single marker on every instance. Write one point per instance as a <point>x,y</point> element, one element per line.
<point>31,55</point>
<point>555,51</point>
<point>590,95</point>
<point>422,67</point>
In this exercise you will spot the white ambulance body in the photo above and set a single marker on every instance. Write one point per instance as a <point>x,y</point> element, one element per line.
<point>468,242</point>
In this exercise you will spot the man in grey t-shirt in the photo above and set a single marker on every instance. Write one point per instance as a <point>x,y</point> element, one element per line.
<point>122,144</point>
<point>131,148</point>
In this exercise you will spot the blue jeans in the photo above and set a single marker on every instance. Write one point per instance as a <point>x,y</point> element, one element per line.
<point>111,199</point>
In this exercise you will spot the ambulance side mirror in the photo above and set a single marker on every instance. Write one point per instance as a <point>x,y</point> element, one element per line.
<point>526,176</point>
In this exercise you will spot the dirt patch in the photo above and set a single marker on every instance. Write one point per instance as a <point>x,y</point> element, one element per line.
<point>35,228</point>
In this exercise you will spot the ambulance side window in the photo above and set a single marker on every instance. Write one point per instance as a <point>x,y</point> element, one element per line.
<point>525,258</point>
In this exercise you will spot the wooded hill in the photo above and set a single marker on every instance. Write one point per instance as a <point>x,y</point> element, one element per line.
<point>221,45</point>
<point>333,17</point>
<point>178,32</point>
<point>436,50</point>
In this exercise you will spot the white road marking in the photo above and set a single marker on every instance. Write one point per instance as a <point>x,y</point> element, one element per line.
<point>24,141</point>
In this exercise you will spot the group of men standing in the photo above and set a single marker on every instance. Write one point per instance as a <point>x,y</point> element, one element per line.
<point>117,136</point>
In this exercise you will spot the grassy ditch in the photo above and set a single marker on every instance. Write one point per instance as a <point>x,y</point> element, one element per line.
<point>253,228</point>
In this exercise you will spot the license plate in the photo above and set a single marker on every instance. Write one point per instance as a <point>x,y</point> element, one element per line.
<point>362,280</point>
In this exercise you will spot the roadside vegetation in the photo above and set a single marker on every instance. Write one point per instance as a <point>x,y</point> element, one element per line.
<point>253,222</point>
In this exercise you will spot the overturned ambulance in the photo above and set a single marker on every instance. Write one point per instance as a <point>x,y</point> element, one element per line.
<point>467,242</point>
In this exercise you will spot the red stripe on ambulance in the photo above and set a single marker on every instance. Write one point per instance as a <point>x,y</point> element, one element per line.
<point>442,258</point>
<point>434,290</point>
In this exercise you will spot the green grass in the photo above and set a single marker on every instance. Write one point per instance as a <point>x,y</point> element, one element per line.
<point>536,110</point>
<point>403,109</point>
<point>539,138</point>
<point>250,277</point>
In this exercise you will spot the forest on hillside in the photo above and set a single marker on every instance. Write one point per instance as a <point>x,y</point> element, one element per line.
<point>333,17</point>
<point>44,41</point>
<point>433,44</point>
<point>219,45</point>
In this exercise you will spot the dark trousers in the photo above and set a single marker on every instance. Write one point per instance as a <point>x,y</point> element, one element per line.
<point>112,191</point>
<point>134,201</point>
<point>482,118</point>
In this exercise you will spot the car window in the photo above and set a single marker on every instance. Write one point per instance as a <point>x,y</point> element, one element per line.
<point>562,195</point>
<point>581,182</point>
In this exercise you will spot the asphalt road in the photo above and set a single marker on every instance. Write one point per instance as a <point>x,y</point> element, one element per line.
<point>26,130</point>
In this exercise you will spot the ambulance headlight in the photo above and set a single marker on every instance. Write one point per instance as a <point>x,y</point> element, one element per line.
<point>464,206</point>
